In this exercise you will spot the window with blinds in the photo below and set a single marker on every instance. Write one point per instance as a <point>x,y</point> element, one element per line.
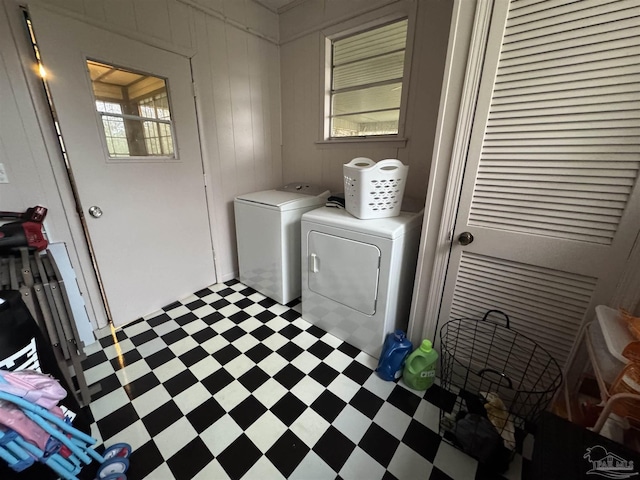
<point>561,149</point>
<point>366,81</point>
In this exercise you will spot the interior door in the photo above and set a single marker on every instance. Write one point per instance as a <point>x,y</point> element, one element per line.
<point>150,230</point>
<point>550,194</point>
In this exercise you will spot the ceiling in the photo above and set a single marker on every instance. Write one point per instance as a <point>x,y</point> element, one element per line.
<point>275,5</point>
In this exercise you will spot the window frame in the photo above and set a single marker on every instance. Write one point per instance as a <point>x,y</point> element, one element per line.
<point>99,115</point>
<point>371,20</point>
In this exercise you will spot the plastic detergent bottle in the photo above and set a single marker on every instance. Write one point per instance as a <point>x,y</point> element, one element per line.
<point>420,368</point>
<point>394,352</point>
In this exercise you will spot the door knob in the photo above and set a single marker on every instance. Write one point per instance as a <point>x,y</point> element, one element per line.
<point>95,212</point>
<point>465,238</point>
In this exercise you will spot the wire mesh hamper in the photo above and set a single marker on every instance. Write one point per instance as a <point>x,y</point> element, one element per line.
<point>480,357</point>
<point>374,190</point>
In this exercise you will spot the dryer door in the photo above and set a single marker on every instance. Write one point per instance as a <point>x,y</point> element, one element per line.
<point>343,270</point>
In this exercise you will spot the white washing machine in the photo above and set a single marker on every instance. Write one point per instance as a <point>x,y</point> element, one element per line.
<point>268,237</point>
<point>358,275</point>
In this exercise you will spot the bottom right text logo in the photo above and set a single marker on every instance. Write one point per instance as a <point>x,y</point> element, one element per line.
<point>607,464</point>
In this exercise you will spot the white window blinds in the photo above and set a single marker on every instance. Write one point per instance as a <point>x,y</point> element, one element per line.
<point>366,88</point>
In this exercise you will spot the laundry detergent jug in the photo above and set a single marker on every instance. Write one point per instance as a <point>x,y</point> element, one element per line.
<point>394,352</point>
<point>420,367</point>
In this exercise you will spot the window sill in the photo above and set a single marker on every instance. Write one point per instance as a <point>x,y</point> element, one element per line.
<point>394,142</point>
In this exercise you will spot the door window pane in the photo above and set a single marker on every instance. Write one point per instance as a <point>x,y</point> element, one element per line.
<point>135,112</point>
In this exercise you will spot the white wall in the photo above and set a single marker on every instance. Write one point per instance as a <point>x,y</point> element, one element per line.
<point>233,44</point>
<point>239,76</point>
<point>301,36</point>
<point>238,82</point>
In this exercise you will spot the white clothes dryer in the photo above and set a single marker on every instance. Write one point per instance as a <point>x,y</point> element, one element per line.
<point>358,275</point>
<point>268,238</point>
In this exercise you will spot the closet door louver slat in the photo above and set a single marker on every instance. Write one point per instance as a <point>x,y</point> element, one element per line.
<point>569,89</point>
<point>544,304</point>
<point>521,8</point>
<point>573,83</point>
<point>564,116</point>
<point>567,23</point>
<point>557,40</point>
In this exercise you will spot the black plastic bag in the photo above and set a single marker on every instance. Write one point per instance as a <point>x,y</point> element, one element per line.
<point>23,347</point>
<point>477,436</point>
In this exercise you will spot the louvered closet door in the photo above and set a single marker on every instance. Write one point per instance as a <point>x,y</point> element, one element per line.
<point>549,191</point>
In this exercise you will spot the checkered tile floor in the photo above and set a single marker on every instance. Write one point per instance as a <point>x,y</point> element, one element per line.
<point>230,384</point>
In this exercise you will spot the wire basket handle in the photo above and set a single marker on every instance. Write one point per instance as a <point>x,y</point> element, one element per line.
<point>506,317</point>
<point>500,374</point>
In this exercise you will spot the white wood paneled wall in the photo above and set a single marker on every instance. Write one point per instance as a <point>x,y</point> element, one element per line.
<point>301,37</point>
<point>238,81</point>
<point>237,78</point>
<point>236,65</point>
<point>169,21</point>
<point>165,21</point>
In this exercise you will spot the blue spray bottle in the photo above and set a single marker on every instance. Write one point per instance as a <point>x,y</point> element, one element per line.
<point>395,350</point>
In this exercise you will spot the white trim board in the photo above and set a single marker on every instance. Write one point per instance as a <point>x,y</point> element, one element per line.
<point>220,16</point>
<point>449,157</point>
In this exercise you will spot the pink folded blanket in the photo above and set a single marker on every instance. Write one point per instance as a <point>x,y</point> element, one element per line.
<point>34,387</point>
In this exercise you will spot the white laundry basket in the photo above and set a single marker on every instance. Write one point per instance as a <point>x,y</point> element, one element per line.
<point>374,190</point>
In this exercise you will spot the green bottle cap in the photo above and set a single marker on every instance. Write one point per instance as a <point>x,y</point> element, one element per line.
<point>425,346</point>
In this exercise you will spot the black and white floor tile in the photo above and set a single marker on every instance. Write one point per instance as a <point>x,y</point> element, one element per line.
<point>228,384</point>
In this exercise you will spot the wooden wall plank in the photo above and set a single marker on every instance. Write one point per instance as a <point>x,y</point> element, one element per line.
<point>241,108</point>
<point>215,5</point>
<point>262,19</point>
<point>180,21</point>
<point>221,85</point>
<point>15,151</point>
<point>95,10</point>
<point>256,79</point>
<point>152,18</point>
<point>235,10</point>
<point>313,13</point>
<point>203,72</point>
<point>121,12</point>
<point>301,18</point>
<point>239,101</point>
<point>271,63</point>
<point>75,6</point>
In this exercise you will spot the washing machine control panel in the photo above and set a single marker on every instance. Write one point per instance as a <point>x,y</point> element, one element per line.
<point>304,188</point>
